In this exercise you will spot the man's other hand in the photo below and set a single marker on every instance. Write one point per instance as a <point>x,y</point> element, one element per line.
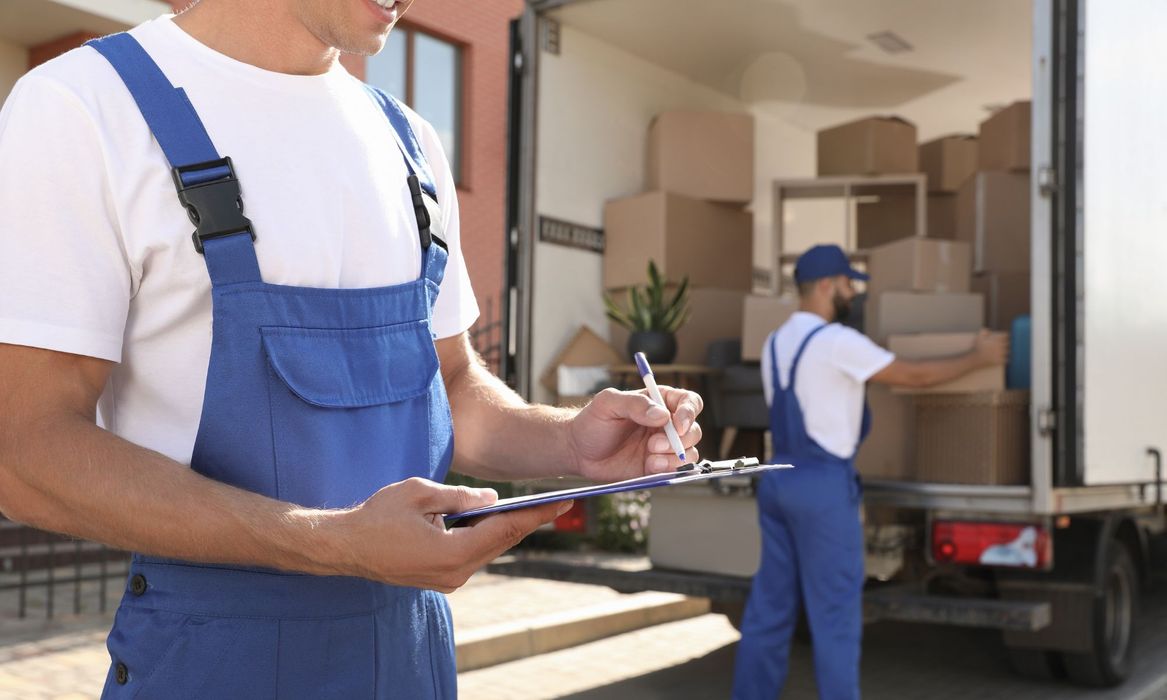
<point>620,434</point>
<point>398,535</point>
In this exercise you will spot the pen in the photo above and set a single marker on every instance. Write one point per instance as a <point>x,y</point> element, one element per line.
<point>654,392</point>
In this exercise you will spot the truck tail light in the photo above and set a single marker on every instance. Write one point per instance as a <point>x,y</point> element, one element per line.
<point>575,519</point>
<point>1020,545</point>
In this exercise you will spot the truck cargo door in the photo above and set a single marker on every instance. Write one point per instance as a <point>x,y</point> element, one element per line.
<point>1114,249</point>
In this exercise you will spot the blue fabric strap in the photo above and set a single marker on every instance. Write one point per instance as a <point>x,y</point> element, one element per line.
<point>184,141</point>
<point>407,142</point>
<point>434,268</point>
<point>798,355</point>
<point>167,110</point>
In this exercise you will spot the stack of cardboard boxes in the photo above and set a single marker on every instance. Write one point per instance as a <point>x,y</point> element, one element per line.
<point>993,215</point>
<point>929,296</point>
<point>691,222</point>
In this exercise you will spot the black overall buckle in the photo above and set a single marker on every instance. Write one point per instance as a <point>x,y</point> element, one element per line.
<point>215,207</point>
<point>420,212</point>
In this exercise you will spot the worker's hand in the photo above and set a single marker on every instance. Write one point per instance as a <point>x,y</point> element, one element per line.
<point>398,536</point>
<point>619,434</point>
<point>992,348</point>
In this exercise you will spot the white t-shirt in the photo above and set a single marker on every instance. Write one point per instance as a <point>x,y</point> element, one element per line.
<point>97,257</point>
<point>831,376</point>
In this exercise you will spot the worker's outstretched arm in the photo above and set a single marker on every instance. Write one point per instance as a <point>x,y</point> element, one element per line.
<point>990,349</point>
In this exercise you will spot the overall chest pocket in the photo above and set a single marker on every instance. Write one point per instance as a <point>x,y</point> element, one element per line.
<point>352,409</point>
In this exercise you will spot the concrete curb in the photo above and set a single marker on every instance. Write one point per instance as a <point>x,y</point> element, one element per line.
<point>509,641</point>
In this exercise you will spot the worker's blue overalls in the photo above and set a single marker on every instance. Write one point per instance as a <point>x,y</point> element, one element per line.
<point>314,396</point>
<point>812,555</point>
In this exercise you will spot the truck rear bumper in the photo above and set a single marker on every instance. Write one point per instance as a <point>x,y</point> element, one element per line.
<point>883,603</point>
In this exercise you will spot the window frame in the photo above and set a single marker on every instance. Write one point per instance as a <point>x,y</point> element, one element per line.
<point>458,167</point>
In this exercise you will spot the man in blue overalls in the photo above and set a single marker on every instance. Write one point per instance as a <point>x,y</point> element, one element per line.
<point>815,370</point>
<point>278,382</point>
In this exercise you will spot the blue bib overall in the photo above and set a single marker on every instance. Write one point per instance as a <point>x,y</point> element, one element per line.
<point>314,396</point>
<point>812,555</point>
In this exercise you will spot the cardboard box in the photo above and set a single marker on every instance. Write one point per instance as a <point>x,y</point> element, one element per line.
<point>1004,139</point>
<point>706,155</point>
<point>871,146</point>
<point>714,314</point>
<point>941,216</point>
<point>973,438</point>
<point>930,346</point>
<point>949,161</point>
<point>761,316</point>
<point>711,243</point>
<point>901,313</point>
<point>585,349</point>
<point>993,216</point>
<point>890,218</point>
<point>1007,296</point>
<point>919,265</point>
<point>888,452</point>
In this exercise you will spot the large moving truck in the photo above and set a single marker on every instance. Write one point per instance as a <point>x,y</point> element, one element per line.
<point>589,75</point>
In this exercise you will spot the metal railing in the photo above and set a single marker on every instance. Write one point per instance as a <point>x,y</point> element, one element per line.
<point>486,336</point>
<point>45,572</point>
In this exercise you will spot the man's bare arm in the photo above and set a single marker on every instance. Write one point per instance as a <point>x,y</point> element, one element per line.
<point>501,437</point>
<point>60,472</point>
<point>990,349</point>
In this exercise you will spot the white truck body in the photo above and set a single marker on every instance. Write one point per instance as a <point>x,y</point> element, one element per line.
<point>591,74</point>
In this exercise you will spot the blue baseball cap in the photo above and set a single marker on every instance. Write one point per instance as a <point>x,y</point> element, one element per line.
<point>824,261</point>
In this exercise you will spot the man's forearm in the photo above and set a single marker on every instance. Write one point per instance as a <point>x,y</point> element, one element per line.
<point>68,475</point>
<point>488,417</point>
<point>932,372</point>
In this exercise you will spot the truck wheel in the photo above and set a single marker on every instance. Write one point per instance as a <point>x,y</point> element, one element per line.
<point>1035,664</point>
<point>1112,626</point>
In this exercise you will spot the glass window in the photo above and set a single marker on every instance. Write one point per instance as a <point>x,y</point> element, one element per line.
<point>386,70</point>
<point>435,89</point>
<point>425,73</point>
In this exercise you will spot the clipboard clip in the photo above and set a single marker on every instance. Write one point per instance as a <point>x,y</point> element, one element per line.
<point>730,484</point>
<point>727,465</point>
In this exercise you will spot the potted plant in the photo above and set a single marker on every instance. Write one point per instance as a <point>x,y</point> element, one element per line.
<point>652,317</point>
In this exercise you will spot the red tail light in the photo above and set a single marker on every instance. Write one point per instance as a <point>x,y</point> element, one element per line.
<point>574,520</point>
<point>1020,545</point>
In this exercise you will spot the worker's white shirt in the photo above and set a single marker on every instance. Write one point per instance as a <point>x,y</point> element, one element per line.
<point>831,378</point>
<point>95,250</point>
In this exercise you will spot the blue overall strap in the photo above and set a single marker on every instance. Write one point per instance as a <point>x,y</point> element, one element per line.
<point>206,182</point>
<point>415,161</point>
<point>421,180</point>
<point>797,356</point>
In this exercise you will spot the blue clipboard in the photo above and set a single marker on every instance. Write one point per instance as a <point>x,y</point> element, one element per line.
<point>689,473</point>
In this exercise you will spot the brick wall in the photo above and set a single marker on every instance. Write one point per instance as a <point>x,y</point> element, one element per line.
<point>481,27</point>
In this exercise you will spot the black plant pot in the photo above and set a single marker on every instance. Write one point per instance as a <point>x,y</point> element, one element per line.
<point>658,347</point>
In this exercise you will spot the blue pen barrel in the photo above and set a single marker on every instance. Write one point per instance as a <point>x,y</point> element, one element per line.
<point>1017,371</point>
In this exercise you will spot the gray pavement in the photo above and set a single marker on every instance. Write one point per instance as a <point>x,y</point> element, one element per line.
<point>65,658</point>
<point>693,659</point>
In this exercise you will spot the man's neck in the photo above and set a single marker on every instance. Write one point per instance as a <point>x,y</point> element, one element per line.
<point>262,33</point>
<point>814,306</point>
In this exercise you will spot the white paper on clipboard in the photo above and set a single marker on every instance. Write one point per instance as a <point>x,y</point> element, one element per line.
<point>702,471</point>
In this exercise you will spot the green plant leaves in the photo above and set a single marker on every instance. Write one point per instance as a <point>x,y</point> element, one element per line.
<point>647,309</point>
